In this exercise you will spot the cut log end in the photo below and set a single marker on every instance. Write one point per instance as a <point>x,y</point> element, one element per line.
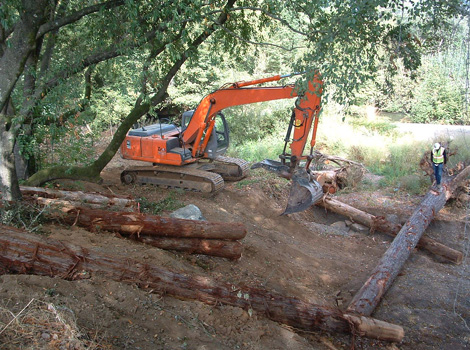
<point>376,329</point>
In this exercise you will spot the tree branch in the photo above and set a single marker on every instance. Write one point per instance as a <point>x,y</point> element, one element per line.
<point>108,54</point>
<point>55,24</point>
<point>51,41</point>
<point>271,15</point>
<point>260,43</point>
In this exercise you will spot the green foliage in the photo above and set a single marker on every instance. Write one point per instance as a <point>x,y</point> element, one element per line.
<point>358,118</point>
<point>22,215</point>
<point>169,203</point>
<point>108,108</point>
<point>256,122</point>
<point>438,99</point>
<point>64,146</point>
<point>268,147</point>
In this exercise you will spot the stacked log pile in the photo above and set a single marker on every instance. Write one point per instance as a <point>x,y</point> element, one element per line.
<point>93,212</point>
<point>192,236</point>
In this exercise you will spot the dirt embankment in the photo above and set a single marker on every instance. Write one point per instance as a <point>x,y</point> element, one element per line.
<point>285,254</point>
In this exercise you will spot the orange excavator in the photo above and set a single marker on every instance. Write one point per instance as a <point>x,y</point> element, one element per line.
<point>192,156</point>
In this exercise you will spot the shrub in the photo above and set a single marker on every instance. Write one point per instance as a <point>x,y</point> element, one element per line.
<point>22,215</point>
<point>170,203</point>
<point>438,99</point>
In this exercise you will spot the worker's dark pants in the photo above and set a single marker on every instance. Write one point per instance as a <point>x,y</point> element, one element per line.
<point>438,172</point>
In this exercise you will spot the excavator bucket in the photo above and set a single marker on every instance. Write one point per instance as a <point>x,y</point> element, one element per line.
<point>304,191</point>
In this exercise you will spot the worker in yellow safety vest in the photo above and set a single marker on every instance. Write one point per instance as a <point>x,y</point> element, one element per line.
<point>438,159</point>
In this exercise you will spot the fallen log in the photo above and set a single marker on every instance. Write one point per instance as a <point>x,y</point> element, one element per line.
<point>60,204</point>
<point>93,199</point>
<point>28,254</point>
<point>229,249</point>
<point>213,247</point>
<point>377,223</point>
<point>382,277</point>
<point>152,225</point>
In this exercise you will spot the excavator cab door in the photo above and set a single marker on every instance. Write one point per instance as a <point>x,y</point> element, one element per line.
<point>186,118</point>
<point>220,137</point>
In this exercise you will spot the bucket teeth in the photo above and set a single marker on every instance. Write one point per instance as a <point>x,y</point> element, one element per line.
<point>271,165</point>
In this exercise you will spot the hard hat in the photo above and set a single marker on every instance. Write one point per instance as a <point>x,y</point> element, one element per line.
<point>437,145</point>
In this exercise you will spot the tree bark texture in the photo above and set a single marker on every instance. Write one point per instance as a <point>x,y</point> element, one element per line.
<point>8,178</point>
<point>213,247</point>
<point>25,253</point>
<point>369,296</point>
<point>96,200</point>
<point>152,225</point>
<point>378,223</point>
<point>13,60</point>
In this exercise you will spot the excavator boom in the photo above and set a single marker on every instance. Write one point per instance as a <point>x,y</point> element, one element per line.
<point>196,146</point>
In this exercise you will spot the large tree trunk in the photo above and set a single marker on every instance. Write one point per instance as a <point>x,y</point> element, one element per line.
<point>8,178</point>
<point>382,277</point>
<point>14,58</point>
<point>12,63</point>
<point>25,253</point>
<point>376,223</point>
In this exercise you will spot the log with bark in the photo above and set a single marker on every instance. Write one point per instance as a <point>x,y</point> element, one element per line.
<point>213,247</point>
<point>190,236</point>
<point>25,253</point>
<point>152,225</point>
<point>382,277</point>
<point>78,198</point>
<point>378,223</point>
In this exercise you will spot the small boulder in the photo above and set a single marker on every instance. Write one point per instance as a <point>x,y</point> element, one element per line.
<point>189,212</point>
<point>359,228</point>
<point>339,225</point>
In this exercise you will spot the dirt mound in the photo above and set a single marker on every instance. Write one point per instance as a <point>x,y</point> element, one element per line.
<point>299,255</point>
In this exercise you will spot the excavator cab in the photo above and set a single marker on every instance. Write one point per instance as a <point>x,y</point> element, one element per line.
<point>220,135</point>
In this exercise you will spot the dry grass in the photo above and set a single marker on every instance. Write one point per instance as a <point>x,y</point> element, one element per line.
<point>41,325</point>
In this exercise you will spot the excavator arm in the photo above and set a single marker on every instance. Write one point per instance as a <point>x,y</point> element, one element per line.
<point>199,129</point>
<point>304,190</point>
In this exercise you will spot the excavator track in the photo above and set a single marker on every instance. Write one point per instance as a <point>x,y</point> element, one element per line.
<point>231,169</point>
<point>186,178</point>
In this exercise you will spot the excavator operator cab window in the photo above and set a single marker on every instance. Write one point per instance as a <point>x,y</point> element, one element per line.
<point>221,130</point>
<point>186,118</point>
<point>219,140</point>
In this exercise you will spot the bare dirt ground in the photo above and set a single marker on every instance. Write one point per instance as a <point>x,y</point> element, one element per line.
<point>292,255</point>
